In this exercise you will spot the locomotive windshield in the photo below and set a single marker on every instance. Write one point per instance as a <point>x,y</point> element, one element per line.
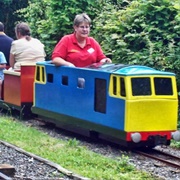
<point>163,86</point>
<point>141,86</point>
<point>150,85</point>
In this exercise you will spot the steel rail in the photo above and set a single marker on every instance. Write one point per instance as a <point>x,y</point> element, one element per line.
<point>4,176</point>
<point>146,154</point>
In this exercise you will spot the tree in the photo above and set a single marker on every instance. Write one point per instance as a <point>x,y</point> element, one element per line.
<point>50,25</point>
<point>143,32</point>
<point>8,15</point>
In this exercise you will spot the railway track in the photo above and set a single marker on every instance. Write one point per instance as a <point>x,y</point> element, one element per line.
<point>5,177</point>
<point>164,157</point>
<point>30,166</point>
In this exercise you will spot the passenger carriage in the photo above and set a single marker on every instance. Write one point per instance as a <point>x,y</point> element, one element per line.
<point>18,90</point>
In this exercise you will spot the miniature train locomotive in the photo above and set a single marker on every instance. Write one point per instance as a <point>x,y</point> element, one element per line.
<point>134,106</point>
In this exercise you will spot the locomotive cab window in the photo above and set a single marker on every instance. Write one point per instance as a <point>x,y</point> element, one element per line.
<point>117,86</point>
<point>81,83</point>
<point>64,80</point>
<point>50,78</point>
<point>40,74</point>
<point>141,86</point>
<point>122,87</point>
<point>37,73</point>
<point>163,86</point>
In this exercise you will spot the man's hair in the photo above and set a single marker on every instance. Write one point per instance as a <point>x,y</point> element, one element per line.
<point>1,26</point>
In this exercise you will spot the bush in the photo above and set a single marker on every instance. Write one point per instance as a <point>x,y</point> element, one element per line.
<point>131,32</point>
<point>50,25</point>
<point>143,32</point>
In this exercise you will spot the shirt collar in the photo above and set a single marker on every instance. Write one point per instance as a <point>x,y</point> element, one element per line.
<point>2,33</point>
<point>75,40</point>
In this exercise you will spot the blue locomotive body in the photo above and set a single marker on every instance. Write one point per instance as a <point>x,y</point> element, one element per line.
<point>102,102</point>
<point>78,97</point>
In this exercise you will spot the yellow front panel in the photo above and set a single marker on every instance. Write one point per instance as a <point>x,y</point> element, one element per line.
<point>151,115</point>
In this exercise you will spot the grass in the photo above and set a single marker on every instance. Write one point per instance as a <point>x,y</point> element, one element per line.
<point>69,154</point>
<point>176,144</point>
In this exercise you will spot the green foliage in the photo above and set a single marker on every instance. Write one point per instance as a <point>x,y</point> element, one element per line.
<point>57,20</point>
<point>143,32</point>
<point>129,31</point>
<point>8,15</point>
<point>124,163</point>
<point>73,143</point>
<point>36,15</point>
<point>6,1</point>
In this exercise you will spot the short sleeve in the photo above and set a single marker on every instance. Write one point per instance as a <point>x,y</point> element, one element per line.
<point>13,48</point>
<point>2,58</point>
<point>60,49</point>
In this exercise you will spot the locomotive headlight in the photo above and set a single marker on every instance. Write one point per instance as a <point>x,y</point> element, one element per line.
<point>176,135</point>
<point>136,137</point>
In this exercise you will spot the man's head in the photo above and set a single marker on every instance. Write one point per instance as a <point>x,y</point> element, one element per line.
<point>1,27</point>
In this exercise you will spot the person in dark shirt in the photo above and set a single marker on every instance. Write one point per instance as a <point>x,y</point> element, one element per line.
<point>5,43</point>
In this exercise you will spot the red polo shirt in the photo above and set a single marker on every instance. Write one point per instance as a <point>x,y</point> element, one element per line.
<point>69,50</point>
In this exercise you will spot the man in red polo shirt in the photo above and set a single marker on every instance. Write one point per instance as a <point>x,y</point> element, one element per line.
<point>78,49</point>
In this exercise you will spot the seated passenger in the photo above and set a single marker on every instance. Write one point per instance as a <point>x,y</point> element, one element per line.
<point>2,67</point>
<point>25,48</point>
<point>78,49</point>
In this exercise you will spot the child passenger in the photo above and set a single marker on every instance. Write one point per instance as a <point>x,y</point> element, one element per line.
<point>2,67</point>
